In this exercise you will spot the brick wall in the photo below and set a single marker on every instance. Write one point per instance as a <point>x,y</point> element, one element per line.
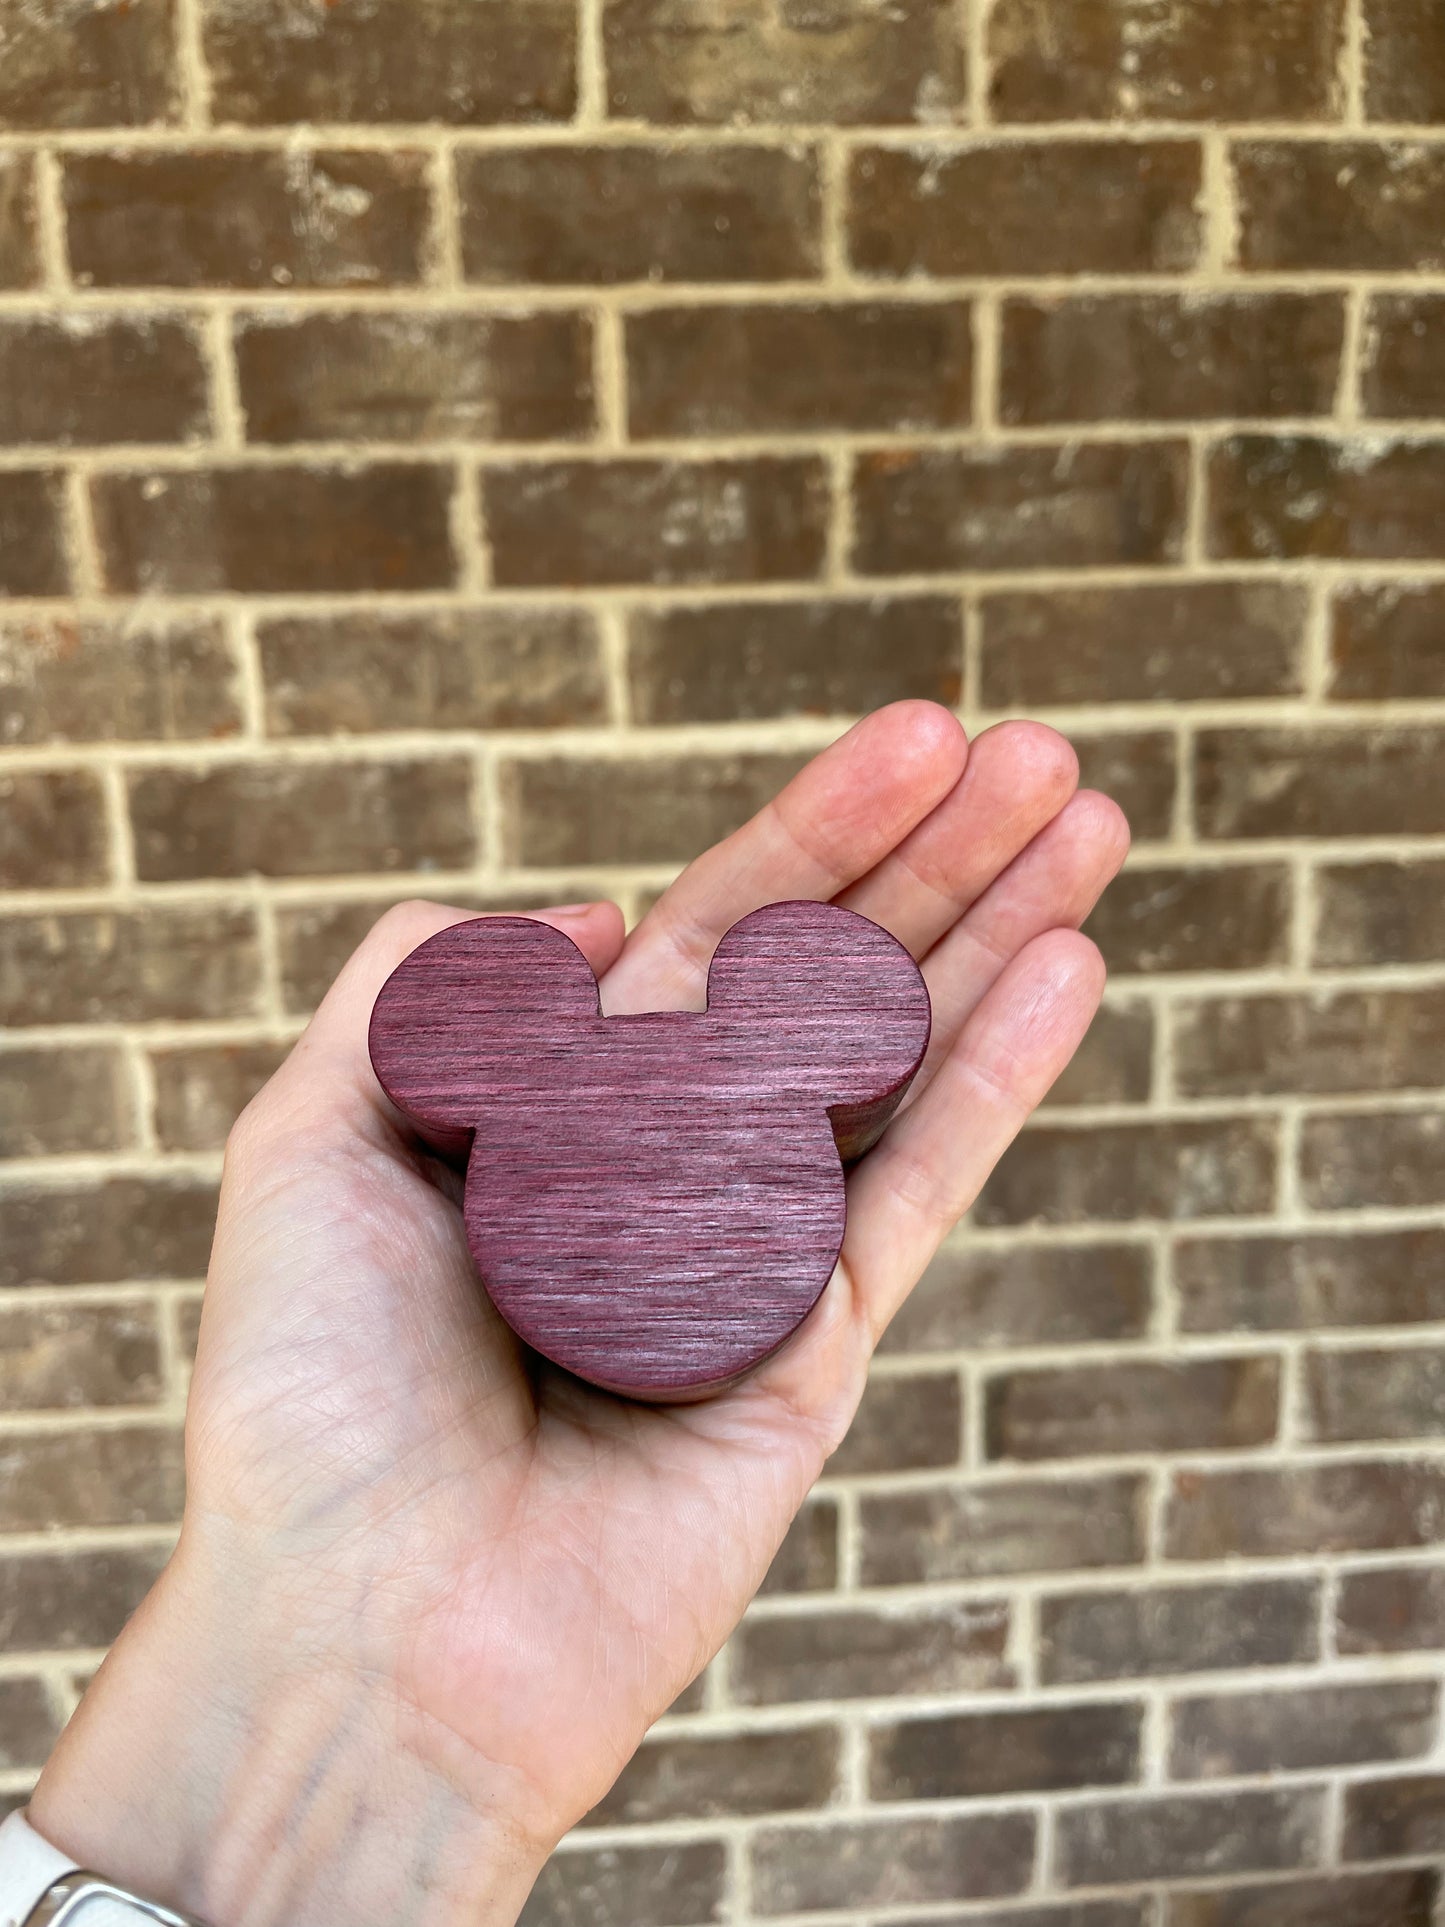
<point>476,447</point>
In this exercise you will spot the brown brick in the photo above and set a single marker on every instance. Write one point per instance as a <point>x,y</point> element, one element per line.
<point>1303,1284</point>
<point>201,1089</point>
<point>1385,642</point>
<point>981,1756</point>
<point>1222,1735</point>
<point>1404,347</point>
<point>247,218</point>
<point>1335,1899</point>
<point>86,63</point>
<point>483,668</point>
<point>764,60</point>
<point>1404,61</point>
<point>907,1421</point>
<point>1139,769</point>
<point>1389,1819</point>
<point>188,1325</point>
<point>1271,1512</point>
<point>1398,1609</point>
<point>19,235</point>
<point>455,61</point>
<point>416,377</point>
<point>1094,358</point>
<point>1292,497</point>
<point>692,1698</point>
<point>1098,503</point>
<point>100,679</point>
<point>612,810</point>
<point>866,366</point>
<point>173,962</point>
<point>1004,208</point>
<point>1178,917</point>
<point>1120,1842</point>
<point>302,819</point>
<point>101,378</point>
<point>1082,1411</point>
<point>106,1232</point>
<point>1386,1393</point>
<point>1351,1040</point>
<point>1334,782</point>
<point>807,1560</point>
<point>889,1863</point>
<point>1089,1636</point>
<point>1079,1913</point>
<point>116,1477</point>
<point>862,1653</point>
<point>1340,206</point>
<point>724,1777</point>
<point>32,533</point>
<point>1385,912</point>
<point>973,1299</point>
<point>1001,1526</point>
<point>677,1884</point>
<point>1118,1172</point>
<point>1389,1158</point>
<point>58,1100</point>
<point>52,830</point>
<point>1169,642</point>
<point>274,529</point>
<point>746,661</point>
<point>59,1355</point>
<point>29,1723</point>
<point>589,215</point>
<point>57,1601</point>
<point>1115,1062</point>
<point>556,524</point>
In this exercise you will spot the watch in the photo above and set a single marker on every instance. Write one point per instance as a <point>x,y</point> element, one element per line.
<point>41,1887</point>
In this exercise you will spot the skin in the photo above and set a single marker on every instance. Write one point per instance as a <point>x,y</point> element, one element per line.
<point>429,1594</point>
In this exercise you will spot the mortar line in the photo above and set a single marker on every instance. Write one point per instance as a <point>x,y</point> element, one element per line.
<point>191,66</point>
<point>50,231</point>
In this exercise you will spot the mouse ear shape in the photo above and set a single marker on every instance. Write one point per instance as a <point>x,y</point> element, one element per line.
<point>838,1007</point>
<point>479,1004</point>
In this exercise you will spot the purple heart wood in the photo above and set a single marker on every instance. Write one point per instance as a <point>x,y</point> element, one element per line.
<point>655,1202</point>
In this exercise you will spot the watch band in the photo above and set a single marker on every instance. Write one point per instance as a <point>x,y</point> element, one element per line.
<point>41,1887</point>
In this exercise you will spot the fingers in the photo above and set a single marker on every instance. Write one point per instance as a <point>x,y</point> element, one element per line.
<point>1019,775</point>
<point>836,820</point>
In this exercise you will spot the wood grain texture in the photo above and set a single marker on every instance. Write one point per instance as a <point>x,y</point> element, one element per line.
<point>655,1202</point>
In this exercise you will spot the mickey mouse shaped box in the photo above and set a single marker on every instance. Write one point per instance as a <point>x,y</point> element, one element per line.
<point>655,1202</point>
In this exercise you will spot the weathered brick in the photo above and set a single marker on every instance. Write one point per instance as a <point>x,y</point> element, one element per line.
<point>460,62</point>
<point>129,1476</point>
<point>1304,1284</point>
<point>1305,782</point>
<point>1390,1158</point>
<point>57,1601</point>
<point>100,679</point>
<point>1390,1819</point>
<point>562,524</point>
<point>982,1756</point>
<point>55,1100</point>
<point>1340,206</point>
<point>1089,1636</point>
<point>973,1299</point>
<point>1386,1393</point>
<point>1404,346</point>
<point>1221,1735</point>
<point>1067,207</point>
<point>567,215</point>
<point>677,1884</point>
<point>52,829</point>
<point>19,235</point>
<point>1001,1526</point>
<point>87,63</point>
<point>482,668</point>
<point>1145,1405</point>
<point>744,661</point>
<point>889,1863</point>
<point>1351,1040</point>
<point>1094,504</point>
<point>1385,642</point>
<point>86,377</point>
<point>765,369</point>
<point>1115,1062</point>
<point>1181,917</point>
<point>724,1777</point>
<point>1118,1172</point>
<point>416,377</point>
<point>1399,1609</point>
<point>170,961</point>
<point>1093,358</point>
<point>301,819</point>
<point>32,533</point>
<point>1385,912</point>
<point>906,1421</point>
<point>29,1723</point>
<point>1120,1842</point>
<point>105,1232</point>
<point>1404,61</point>
<point>763,60</point>
<point>1335,1899</point>
<point>58,1355</point>
<point>692,1698</point>
<point>1291,497</point>
<point>247,218</point>
<point>201,1089</point>
<point>867,1653</point>
<point>1168,642</point>
<point>612,810</point>
<point>1271,1512</point>
<point>1139,769</point>
<point>807,1560</point>
<point>188,1325</point>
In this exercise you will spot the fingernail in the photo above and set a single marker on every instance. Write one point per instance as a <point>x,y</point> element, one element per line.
<point>571,909</point>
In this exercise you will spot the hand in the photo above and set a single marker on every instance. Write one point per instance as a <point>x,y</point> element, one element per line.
<point>428,1596</point>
